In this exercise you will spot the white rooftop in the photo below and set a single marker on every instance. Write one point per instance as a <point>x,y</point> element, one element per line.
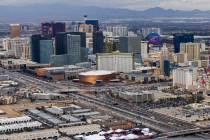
<point>136,93</point>
<point>96,73</point>
<point>62,68</point>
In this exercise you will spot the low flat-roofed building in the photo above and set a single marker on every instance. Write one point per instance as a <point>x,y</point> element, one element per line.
<point>70,118</point>
<point>83,129</point>
<point>60,73</point>
<point>140,77</point>
<point>6,100</point>
<point>54,110</point>
<point>16,127</point>
<point>86,114</point>
<point>51,119</point>
<point>15,63</point>
<point>200,63</point>
<point>46,96</point>
<point>4,77</point>
<point>137,96</point>
<point>162,95</point>
<point>15,120</point>
<point>33,135</point>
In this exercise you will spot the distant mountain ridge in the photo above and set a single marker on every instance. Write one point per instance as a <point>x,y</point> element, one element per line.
<point>38,13</point>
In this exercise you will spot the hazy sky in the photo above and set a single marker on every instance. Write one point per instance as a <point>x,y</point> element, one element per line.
<point>129,4</point>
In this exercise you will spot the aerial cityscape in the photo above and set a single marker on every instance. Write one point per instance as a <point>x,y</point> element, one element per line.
<point>105,70</point>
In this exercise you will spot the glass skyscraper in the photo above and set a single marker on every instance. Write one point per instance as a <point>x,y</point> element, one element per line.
<point>46,50</point>
<point>181,38</point>
<point>35,47</point>
<point>95,24</point>
<point>98,42</point>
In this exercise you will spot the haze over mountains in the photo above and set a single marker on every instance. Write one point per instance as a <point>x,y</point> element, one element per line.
<point>38,13</point>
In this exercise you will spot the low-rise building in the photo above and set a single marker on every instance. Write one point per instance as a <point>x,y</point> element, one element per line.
<point>6,100</point>
<point>15,64</point>
<point>138,97</point>
<point>33,135</point>
<point>61,73</point>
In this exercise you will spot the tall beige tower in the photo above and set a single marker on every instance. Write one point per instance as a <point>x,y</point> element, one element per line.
<point>163,56</point>
<point>14,30</point>
<point>192,50</point>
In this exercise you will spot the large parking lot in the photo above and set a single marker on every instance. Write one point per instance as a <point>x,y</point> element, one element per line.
<point>195,113</point>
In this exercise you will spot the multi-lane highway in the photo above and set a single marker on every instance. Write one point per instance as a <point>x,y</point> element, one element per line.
<point>157,121</point>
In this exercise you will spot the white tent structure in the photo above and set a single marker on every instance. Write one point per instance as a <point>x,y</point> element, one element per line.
<point>15,120</point>
<point>119,131</point>
<point>131,137</point>
<point>94,137</point>
<point>33,135</point>
<point>19,127</point>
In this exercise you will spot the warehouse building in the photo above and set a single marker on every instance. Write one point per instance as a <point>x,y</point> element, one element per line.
<point>33,135</point>
<point>14,64</point>
<point>140,77</point>
<point>60,73</point>
<point>18,124</point>
<point>83,129</point>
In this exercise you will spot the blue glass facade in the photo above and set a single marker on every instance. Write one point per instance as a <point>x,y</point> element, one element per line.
<point>51,29</point>
<point>98,42</point>
<point>181,38</point>
<point>35,47</point>
<point>61,41</point>
<point>46,50</point>
<point>166,67</point>
<point>95,24</point>
<point>131,45</point>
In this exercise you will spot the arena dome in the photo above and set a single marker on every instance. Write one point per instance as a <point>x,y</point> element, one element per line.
<point>154,38</point>
<point>92,76</point>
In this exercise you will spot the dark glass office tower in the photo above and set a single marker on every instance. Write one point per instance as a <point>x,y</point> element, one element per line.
<point>98,42</point>
<point>61,41</point>
<point>46,51</point>
<point>131,45</point>
<point>46,29</point>
<point>95,24</point>
<point>82,38</point>
<point>181,38</point>
<point>58,27</point>
<point>166,67</point>
<point>51,29</point>
<point>83,49</point>
<point>35,47</point>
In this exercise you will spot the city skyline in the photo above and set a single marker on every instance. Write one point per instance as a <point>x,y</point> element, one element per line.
<point>104,70</point>
<point>124,4</point>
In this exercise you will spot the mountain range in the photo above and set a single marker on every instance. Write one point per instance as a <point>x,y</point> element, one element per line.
<point>38,13</point>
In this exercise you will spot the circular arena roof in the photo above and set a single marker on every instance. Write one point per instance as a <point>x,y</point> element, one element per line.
<point>152,35</point>
<point>154,38</point>
<point>96,73</point>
